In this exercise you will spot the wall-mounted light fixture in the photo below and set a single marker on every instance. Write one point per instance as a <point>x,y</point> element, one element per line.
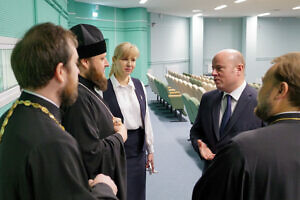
<point>95,13</point>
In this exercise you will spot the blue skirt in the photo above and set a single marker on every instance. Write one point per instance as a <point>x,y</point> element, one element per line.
<point>136,165</point>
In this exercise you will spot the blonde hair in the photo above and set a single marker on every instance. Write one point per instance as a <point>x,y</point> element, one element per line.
<point>123,50</point>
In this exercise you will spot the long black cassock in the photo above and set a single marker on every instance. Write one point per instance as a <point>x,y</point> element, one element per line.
<point>38,160</point>
<point>90,122</point>
<point>262,164</point>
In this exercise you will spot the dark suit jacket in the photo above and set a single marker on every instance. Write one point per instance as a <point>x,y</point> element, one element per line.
<point>257,164</point>
<point>206,126</point>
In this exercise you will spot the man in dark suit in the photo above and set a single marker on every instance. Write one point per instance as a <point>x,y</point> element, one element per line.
<point>263,163</point>
<point>211,131</point>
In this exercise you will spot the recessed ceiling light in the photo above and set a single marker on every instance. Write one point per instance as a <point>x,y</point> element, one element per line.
<point>239,1</point>
<point>220,7</point>
<point>263,14</point>
<point>198,15</point>
<point>143,1</point>
<point>195,11</point>
<point>296,8</point>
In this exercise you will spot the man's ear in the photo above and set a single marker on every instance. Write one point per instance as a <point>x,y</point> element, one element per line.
<point>283,89</point>
<point>84,63</point>
<point>240,68</point>
<point>60,72</point>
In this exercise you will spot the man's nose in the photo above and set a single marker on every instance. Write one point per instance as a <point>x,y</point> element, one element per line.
<point>214,72</point>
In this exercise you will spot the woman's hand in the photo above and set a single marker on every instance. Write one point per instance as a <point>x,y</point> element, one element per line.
<point>150,162</point>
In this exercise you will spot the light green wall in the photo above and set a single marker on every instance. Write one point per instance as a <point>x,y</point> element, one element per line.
<point>117,25</point>
<point>17,16</point>
<point>3,109</point>
<point>1,72</point>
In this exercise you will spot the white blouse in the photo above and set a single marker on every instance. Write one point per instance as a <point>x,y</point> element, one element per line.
<point>131,111</point>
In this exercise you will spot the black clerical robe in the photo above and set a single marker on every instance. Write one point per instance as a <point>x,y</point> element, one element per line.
<point>90,122</point>
<point>38,160</point>
<point>258,164</point>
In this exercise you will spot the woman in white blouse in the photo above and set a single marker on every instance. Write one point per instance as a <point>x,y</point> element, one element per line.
<point>126,97</point>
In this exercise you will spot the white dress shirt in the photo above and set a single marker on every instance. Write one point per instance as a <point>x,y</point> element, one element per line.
<point>235,95</point>
<point>131,111</point>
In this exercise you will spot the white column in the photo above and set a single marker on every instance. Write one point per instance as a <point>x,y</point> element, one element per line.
<point>249,46</point>
<point>196,45</point>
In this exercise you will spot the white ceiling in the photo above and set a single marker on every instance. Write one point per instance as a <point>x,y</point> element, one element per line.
<point>183,8</point>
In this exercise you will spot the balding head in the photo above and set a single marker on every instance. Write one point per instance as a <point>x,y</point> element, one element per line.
<point>228,69</point>
<point>233,55</point>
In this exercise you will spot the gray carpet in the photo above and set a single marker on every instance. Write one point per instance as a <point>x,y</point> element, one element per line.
<point>178,164</point>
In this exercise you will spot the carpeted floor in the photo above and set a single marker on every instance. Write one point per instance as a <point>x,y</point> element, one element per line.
<point>178,165</point>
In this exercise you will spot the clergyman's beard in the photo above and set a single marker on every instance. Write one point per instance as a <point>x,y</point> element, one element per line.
<point>69,94</point>
<point>97,78</point>
<point>263,110</point>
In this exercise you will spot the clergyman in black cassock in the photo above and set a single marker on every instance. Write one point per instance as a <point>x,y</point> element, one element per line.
<point>89,120</point>
<point>262,163</point>
<point>38,158</point>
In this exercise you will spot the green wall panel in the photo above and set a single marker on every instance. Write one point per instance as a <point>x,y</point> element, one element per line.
<point>136,14</point>
<point>117,25</point>
<point>1,72</point>
<point>62,3</point>
<point>46,13</point>
<point>120,14</point>
<point>3,109</point>
<point>139,38</point>
<point>85,10</point>
<point>15,17</point>
<point>63,22</point>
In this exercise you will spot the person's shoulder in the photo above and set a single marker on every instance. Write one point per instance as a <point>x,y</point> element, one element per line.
<point>250,90</point>
<point>135,80</point>
<point>249,135</point>
<point>85,97</point>
<point>138,83</point>
<point>250,141</point>
<point>211,93</point>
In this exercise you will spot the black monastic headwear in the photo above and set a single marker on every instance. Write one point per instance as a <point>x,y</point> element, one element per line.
<point>90,40</point>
